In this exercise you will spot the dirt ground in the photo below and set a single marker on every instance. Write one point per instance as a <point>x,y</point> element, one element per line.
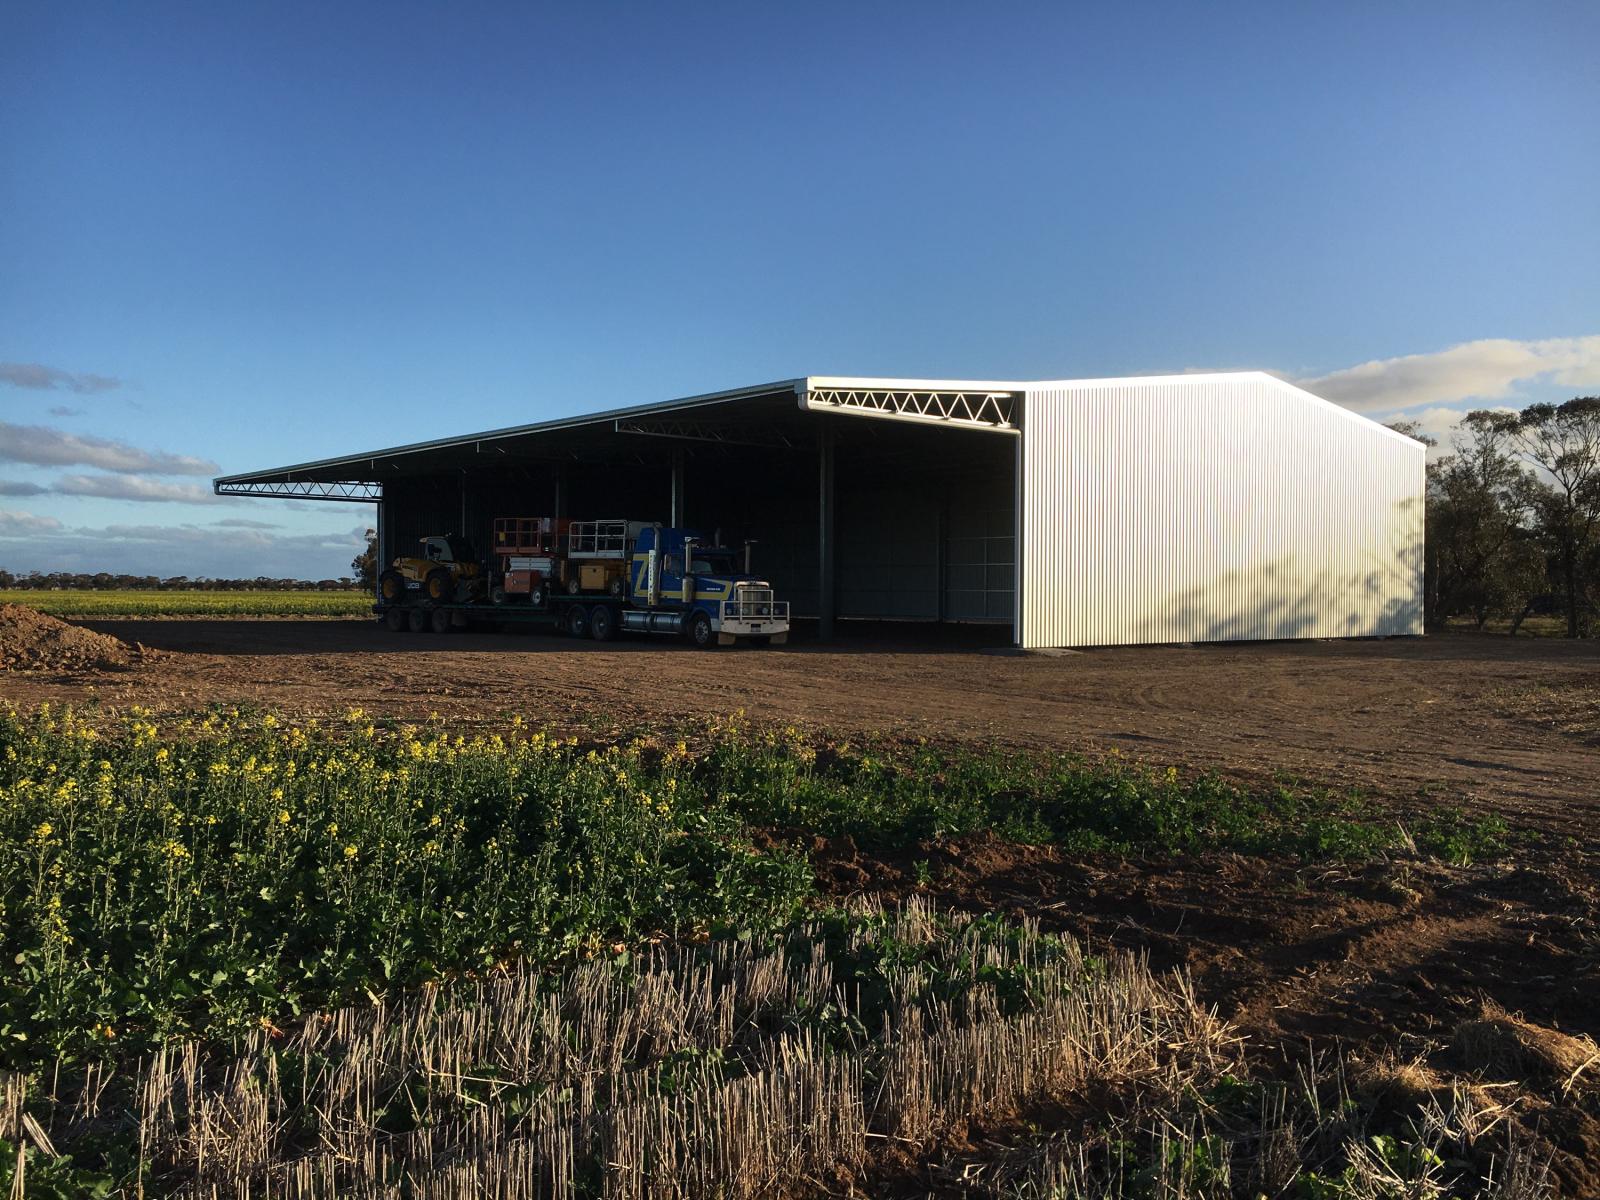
<point>1465,719</point>
<point>1387,959</point>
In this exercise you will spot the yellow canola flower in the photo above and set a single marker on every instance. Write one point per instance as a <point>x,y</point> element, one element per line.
<point>350,852</point>
<point>283,816</point>
<point>44,830</point>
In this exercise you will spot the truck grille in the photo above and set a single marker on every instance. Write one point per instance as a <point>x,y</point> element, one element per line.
<point>754,604</point>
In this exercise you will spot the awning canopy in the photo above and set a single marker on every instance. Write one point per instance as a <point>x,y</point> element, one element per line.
<point>774,415</point>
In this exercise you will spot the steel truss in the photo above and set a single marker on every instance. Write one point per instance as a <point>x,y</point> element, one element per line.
<point>982,410</point>
<point>706,431</point>
<point>355,490</point>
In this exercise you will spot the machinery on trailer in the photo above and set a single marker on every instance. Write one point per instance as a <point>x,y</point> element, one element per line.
<point>598,578</point>
<point>447,571</point>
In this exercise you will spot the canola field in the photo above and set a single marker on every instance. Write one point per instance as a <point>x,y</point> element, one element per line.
<point>190,603</point>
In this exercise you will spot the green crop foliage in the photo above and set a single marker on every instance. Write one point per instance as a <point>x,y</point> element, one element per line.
<point>223,869</point>
<point>137,603</point>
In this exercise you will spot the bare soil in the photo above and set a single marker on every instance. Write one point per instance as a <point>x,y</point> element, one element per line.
<point>1410,962</point>
<point>1390,959</point>
<point>34,641</point>
<point>1461,718</point>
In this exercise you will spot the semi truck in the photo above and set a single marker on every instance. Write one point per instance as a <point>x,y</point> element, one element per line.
<point>587,579</point>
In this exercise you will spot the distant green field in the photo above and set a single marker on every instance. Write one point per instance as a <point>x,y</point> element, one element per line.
<point>191,603</point>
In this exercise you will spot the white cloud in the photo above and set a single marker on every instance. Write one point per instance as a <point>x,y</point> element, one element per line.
<point>48,379</point>
<point>14,524</point>
<point>41,446</point>
<point>135,487</point>
<point>1485,370</point>
<point>242,523</point>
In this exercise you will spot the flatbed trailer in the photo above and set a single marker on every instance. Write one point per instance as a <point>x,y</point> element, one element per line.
<point>586,579</point>
<point>597,617</point>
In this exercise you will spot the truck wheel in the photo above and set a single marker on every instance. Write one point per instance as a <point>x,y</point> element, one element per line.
<point>575,621</point>
<point>701,635</point>
<point>540,596</point>
<point>395,619</point>
<point>392,587</point>
<point>618,586</point>
<point>416,620</point>
<point>499,596</point>
<point>603,623</point>
<point>574,586</point>
<point>439,620</point>
<point>439,586</point>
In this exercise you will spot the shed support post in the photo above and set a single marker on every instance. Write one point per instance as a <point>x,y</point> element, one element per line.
<point>676,506</point>
<point>559,501</point>
<point>825,581</point>
<point>385,556</point>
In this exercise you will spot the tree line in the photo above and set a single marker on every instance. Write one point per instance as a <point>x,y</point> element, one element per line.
<point>363,575</point>
<point>1513,518</point>
<point>105,581</point>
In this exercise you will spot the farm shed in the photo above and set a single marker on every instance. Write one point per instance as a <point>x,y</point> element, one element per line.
<point>1186,508</point>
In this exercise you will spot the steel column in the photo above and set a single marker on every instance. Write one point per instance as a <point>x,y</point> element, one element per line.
<point>825,580</point>
<point>677,521</point>
<point>384,555</point>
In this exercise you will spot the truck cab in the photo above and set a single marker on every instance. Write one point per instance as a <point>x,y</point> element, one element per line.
<point>711,590</point>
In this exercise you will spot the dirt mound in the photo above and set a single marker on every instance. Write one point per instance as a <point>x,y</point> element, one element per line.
<point>1508,1047</point>
<point>34,641</point>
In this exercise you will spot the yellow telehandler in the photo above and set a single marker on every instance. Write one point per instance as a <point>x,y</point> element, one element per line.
<point>446,572</point>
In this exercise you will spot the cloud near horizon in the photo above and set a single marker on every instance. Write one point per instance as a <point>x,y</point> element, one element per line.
<point>39,377</point>
<point>42,446</point>
<point>136,487</point>
<point>1487,370</point>
<point>31,542</point>
<point>15,524</point>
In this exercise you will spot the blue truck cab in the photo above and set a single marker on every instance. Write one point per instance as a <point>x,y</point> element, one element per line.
<point>680,580</point>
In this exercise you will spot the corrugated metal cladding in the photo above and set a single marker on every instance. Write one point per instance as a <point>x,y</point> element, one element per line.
<point>1213,508</point>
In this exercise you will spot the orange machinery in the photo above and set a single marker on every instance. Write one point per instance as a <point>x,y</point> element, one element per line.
<point>530,552</point>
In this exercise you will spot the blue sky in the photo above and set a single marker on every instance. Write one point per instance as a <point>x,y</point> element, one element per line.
<point>248,235</point>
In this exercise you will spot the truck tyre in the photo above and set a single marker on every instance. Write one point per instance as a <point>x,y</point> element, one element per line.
<point>618,586</point>
<point>395,619</point>
<point>499,596</point>
<point>416,620</point>
<point>539,597</point>
<point>701,635</point>
<point>392,587</point>
<point>603,623</point>
<point>574,586</point>
<point>575,621</point>
<point>439,586</point>
<point>439,620</point>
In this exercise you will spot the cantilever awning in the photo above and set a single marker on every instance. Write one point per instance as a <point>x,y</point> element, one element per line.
<point>762,415</point>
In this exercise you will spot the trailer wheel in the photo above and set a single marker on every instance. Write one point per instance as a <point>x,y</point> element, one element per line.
<point>392,587</point>
<point>575,621</point>
<point>439,620</point>
<point>395,619</point>
<point>439,586</point>
<point>603,623</point>
<point>416,619</point>
<point>701,635</point>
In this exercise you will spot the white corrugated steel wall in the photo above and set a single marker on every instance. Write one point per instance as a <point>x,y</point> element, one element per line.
<point>1213,508</point>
